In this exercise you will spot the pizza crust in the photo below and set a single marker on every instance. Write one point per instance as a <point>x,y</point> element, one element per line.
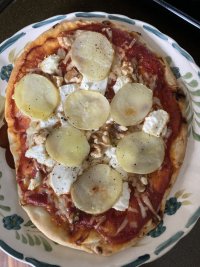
<point>94,243</point>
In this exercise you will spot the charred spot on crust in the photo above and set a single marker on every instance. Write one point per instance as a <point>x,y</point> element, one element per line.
<point>179,94</point>
<point>54,26</point>
<point>106,23</point>
<point>98,250</point>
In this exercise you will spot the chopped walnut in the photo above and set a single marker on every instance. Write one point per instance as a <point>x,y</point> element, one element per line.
<point>139,182</point>
<point>73,76</point>
<point>117,131</point>
<point>40,138</point>
<point>107,135</point>
<point>99,142</point>
<point>126,68</point>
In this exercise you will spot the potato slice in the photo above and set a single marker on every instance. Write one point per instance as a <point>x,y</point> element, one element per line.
<point>140,153</point>
<point>92,54</point>
<point>131,104</point>
<point>68,146</point>
<point>36,96</point>
<point>97,189</point>
<point>86,109</point>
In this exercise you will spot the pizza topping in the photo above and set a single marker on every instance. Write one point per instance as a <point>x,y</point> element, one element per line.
<point>155,123</point>
<point>67,89</point>
<point>122,226</point>
<point>61,178</point>
<point>72,76</point>
<point>92,54</point>
<point>68,146</point>
<point>123,202</point>
<point>113,162</point>
<point>50,64</point>
<point>39,153</point>
<point>131,104</point>
<point>36,96</point>
<point>65,41</point>
<point>99,86</point>
<point>35,182</point>
<point>58,80</point>
<point>97,189</point>
<point>140,153</point>
<point>84,109</point>
<point>147,202</point>
<point>120,82</point>
<point>143,209</point>
<point>138,182</point>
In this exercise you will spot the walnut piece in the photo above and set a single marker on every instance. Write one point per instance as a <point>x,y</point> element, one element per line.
<point>99,141</point>
<point>126,68</point>
<point>107,135</point>
<point>139,182</point>
<point>73,76</point>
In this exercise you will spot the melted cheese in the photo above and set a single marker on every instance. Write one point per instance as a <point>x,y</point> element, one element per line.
<point>111,154</point>
<point>35,182</point>
<point>155,123</point>
<point>39,153</point>
<point>120,82</point>
<point>50,64</point>
<point>99,86</point>
<point>123,202</point>
<point>61,178</point>
<point>67,89</point>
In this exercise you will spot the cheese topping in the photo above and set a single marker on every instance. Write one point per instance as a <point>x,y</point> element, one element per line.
<point>35,182</point>
<point>99,86</point>
<point>156,122</point>
<point>50,64</point>
<point>123,202</point>
<point>67,89</point>
<point>111,154</point>
<point>39,153</point>
<point>61,178</point>
<point>120,82</point>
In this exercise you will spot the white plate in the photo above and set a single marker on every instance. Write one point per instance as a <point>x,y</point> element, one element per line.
<point>26,243</point>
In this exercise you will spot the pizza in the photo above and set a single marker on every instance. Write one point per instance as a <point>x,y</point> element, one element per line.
<point>97,129</point>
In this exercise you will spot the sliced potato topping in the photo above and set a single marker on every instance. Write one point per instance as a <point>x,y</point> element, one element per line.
<point>131,104</point>
<point>92,54</point>
<point>36,96</point>
<point>140,153</point>
<point>68,146</point>
<point>97,189</point>
<point>86,110</point>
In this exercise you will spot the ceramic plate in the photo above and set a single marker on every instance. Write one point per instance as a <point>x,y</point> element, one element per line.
<point>21,239</point>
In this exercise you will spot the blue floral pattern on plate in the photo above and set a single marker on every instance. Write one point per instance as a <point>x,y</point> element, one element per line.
<point>158,230</point>
<point>172,205</point>
<point>12,222</point>
<point>6,71</point>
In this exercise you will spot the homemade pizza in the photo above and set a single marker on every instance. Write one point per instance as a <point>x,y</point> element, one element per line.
<point>97,130</point>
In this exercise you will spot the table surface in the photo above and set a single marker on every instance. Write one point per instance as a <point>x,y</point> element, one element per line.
<point>21,13</point>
